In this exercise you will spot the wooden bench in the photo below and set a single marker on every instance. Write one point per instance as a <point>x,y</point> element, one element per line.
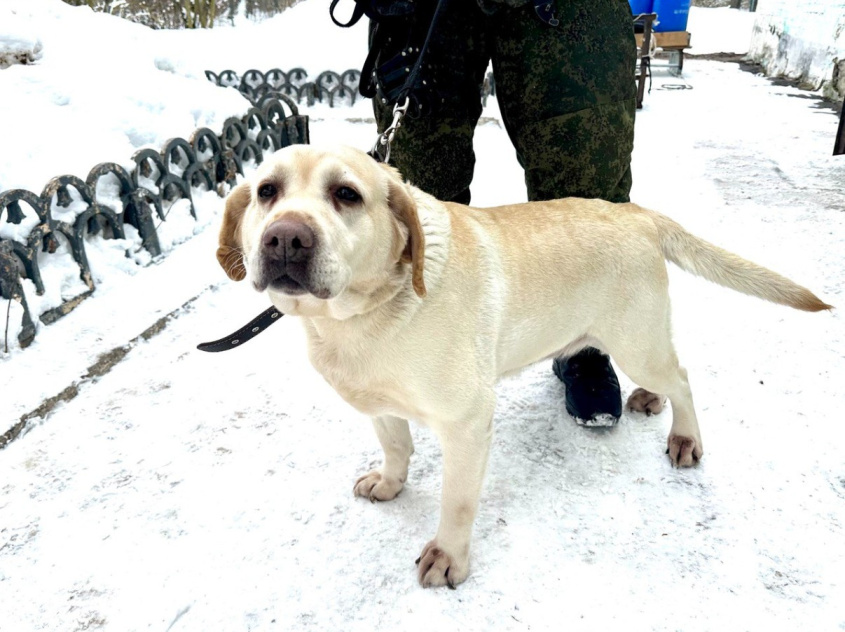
<point>674,42</point>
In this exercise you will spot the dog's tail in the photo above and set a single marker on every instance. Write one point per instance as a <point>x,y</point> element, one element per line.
<point>701,258</point>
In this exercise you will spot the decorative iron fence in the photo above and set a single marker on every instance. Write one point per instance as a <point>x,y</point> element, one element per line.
<point>329,86</point>
<point>158,178</point>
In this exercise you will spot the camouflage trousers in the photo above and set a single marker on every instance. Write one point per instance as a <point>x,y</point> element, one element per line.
<point>566,94</point>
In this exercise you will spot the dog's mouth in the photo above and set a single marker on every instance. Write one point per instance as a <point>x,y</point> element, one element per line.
<point>291,279</point>
<point>287,285</point>
<point>291,284</point>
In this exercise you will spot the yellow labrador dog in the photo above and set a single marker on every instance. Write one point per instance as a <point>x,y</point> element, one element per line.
<point>413,308</point>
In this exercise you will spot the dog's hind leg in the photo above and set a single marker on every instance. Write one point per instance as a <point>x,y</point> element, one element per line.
<point>643,349</point>
<point>662,374</point>
<point>386,482</point>
<point>643,401</point>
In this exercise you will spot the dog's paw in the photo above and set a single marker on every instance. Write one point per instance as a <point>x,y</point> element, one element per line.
<point>643,401</point>
<point>375,486</point>
<point>684,451</point>
<point>435,567</point>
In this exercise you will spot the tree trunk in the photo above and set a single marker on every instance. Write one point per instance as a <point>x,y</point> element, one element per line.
<point>199,13</point>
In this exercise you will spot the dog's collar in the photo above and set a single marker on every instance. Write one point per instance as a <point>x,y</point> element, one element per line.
<point>247,332</point>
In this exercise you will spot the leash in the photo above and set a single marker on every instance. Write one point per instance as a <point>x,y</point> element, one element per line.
<point>401,97</point>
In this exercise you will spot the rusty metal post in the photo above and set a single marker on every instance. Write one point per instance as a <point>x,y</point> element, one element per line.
<point>839,144</point>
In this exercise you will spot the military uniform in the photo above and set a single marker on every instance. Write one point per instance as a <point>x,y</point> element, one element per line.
<point>567,96</point>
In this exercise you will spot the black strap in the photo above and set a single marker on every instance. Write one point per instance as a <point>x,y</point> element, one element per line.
<point>393,80</point>
<point>366,85</point>
<point>376,10</point>
<point>415,71</point>
<point>247,332</point>
<point>356,14</point>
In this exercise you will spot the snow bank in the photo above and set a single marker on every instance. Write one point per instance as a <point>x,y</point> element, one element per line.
<point>804,41</point>
<point>99,91</point>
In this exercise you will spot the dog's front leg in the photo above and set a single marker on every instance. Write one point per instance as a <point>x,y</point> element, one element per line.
<point>466,445</point>
<point>387,481</point>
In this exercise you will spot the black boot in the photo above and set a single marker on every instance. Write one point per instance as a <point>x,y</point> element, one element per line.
<point>592,389</point>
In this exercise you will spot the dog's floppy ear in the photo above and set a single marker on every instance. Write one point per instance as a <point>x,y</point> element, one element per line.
<point>229,253</point>
<point>404,207</point>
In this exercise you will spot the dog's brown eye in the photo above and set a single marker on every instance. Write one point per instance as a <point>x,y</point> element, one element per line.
<point>347,194</point>
<point>267,191</point>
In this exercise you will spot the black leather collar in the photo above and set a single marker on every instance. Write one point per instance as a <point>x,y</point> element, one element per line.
<point>247,332</point>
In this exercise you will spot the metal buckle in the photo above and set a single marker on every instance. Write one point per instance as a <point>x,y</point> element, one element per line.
<point>381,148</point>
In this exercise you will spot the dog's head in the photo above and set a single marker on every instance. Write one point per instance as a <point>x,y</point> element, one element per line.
<point>318,223</point>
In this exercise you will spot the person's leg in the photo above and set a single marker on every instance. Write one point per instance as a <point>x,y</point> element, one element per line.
<point>567,96</point>
<point>433,148</point>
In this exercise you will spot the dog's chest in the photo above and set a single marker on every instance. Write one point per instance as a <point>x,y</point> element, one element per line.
<point>362,375</point>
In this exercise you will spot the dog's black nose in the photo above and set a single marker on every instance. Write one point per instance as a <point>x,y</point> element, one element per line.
<point>288,241</point>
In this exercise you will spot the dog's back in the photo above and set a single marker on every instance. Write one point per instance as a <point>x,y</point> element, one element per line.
<point>558,232</point>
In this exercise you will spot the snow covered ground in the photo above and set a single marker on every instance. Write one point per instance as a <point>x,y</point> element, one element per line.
<point>190,492</point>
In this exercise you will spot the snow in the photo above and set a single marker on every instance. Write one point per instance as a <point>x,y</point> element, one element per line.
<point>719,30</point>
<point>186,491</point>
<point>94,98</point>
<point>805,43</point>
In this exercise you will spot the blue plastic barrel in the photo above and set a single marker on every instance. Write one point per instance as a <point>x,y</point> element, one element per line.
<point>640,6</point>
<point>672,15</point>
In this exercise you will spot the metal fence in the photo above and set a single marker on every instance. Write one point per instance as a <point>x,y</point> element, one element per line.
<point>329,86</point>
<point>158,178</point>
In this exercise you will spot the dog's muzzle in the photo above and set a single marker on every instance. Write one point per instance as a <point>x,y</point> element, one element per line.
<point>287,249</point>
